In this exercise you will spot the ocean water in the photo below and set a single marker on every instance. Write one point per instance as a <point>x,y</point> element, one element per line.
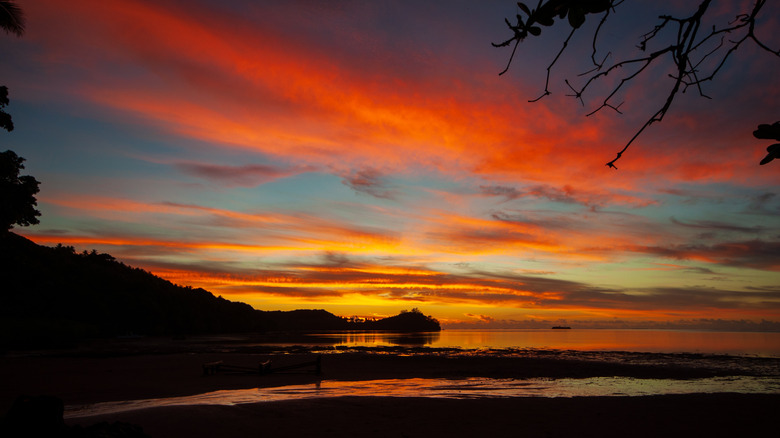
<point>762,344</point>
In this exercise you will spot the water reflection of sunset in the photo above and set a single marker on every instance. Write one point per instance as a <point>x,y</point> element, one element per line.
<point>513,341</point>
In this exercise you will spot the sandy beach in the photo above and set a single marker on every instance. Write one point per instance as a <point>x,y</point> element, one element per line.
<point>723,415</point>
<point>93,378</point>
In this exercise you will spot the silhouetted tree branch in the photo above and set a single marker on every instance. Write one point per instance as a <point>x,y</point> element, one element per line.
<point>697,57</point>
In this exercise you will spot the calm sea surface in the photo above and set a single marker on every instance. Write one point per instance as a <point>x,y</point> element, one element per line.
<point>765,344</point>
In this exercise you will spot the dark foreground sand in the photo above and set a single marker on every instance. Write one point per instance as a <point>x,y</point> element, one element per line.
<point>80,379</point>
<point>723,415</point>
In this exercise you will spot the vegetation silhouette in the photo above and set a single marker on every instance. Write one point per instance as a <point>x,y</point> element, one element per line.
<point>54,296</point>
<point>697,55</point>
<point>17,193</point>
<point>11,21</point>
<point>769,132</point>
<point>5,119</point>
<point>413,320</point>
<point>11,18</point>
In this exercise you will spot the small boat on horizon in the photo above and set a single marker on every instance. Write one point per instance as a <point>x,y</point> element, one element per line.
<point>561,327</point>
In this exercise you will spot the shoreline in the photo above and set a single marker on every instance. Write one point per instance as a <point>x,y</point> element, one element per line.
<point>452,389</point>
<point>82,377</point>
<point>85,377</point>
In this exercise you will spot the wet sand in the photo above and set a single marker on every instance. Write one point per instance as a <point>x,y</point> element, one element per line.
<point>720,415</point>
<point>91,378</point>
<point>80,379</point>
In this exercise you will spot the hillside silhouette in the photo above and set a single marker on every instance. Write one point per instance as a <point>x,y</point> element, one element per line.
<point>55,295</point>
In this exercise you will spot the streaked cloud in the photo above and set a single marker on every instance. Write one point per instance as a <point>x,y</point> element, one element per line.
<point>370,182</point>
<point>718,226</point>
<point>248,175</point>
<point>754,254</point>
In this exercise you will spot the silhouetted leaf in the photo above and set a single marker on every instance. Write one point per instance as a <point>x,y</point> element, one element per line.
<point>524,8</point>
<point>596,6</point>
<point>535,30</point>
<point>773,152</point>
<point>768,132</point>
<point>576,17</point>
<point>544,19</point>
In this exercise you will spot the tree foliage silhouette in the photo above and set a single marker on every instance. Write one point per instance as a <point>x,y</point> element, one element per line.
<point>5,118</point>
<point>697,55</point>
<point>17,193</point>
<point>11,21</point>
<point>11,18</point>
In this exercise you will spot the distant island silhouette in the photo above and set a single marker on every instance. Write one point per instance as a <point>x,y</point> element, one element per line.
<point>52,296</point>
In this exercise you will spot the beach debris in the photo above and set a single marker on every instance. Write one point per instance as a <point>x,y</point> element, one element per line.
<point>314,366</point>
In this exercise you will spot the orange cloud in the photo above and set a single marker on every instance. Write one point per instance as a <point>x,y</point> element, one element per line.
<point>279,97</point>
<point>222,78</point>
<point>378,284</point>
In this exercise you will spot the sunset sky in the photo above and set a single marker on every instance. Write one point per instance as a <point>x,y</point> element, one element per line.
<point>365,157</point>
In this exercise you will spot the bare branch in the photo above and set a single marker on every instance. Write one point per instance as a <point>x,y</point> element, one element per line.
<point>692,67</point>
<point>549,67</point>
<point>595,40</point>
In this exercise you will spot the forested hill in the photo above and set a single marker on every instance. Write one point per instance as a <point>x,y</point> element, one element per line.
<point>55,293</point>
